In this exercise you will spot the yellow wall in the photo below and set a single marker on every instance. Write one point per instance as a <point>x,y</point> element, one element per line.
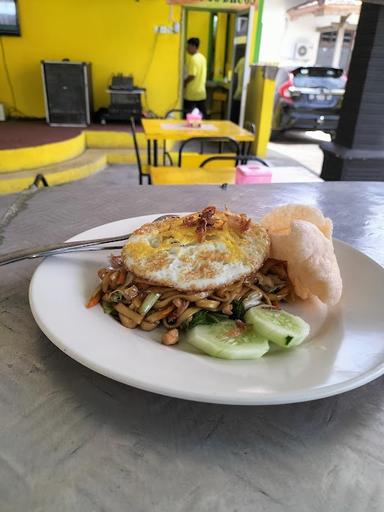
<point>115,36</point>
<point>198,26</point>
<point>230,46</point>
<point>221,34</point>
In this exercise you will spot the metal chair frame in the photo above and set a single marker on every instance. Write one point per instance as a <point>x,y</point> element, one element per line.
<point>219,140</point>
<point>238,159</point>
<point>251,127</point>
<point>138,156</point>
<point>40,178</point>
<point>175,111</point>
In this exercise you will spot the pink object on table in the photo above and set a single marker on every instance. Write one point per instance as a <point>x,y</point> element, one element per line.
<point>194,119</point>
<point>253,173</point>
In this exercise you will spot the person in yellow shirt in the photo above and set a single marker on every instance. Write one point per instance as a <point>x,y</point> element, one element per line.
<point>239,72</point>
<point>194,84</point>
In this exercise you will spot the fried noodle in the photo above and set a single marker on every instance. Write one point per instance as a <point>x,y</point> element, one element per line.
<point>127,297</point>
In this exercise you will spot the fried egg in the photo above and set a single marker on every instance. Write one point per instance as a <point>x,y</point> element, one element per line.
<point>201,251</point>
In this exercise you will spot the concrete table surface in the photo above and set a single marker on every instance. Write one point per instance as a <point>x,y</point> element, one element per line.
<point>73,440</point>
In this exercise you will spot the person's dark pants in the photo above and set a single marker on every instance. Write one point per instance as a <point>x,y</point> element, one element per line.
<point>235,111</point>
<point>190,105</point>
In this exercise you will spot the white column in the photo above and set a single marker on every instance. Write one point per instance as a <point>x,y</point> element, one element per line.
<point>339,44</point>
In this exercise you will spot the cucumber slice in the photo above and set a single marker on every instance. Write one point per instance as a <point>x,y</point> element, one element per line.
<point>226,341</point>
<point>278,326</point>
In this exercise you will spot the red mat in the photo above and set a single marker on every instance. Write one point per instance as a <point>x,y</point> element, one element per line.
<point>21,134</point>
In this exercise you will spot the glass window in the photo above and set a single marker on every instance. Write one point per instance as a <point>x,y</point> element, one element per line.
<point>9,23</point>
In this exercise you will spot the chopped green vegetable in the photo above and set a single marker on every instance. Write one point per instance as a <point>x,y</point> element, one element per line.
<point>288,339</point>
<point>148,303</point>
<point>238,310</point>
<point>204,317</point>
<point>107,307</point>
<point>116,296</point>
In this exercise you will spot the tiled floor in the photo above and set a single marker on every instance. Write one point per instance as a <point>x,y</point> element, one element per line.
<point>301,147</point>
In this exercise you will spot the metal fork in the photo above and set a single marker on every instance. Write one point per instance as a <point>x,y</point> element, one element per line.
<point>66,247</point>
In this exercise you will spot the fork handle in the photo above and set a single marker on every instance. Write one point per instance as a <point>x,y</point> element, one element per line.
<point>52,249</point>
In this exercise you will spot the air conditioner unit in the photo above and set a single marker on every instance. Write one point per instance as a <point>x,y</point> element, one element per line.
<point>302,50</point>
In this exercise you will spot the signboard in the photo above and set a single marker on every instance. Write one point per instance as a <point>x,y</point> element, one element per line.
<point>238,5</point>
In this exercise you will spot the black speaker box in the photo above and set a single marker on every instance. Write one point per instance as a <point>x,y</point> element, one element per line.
<point>67,92</point>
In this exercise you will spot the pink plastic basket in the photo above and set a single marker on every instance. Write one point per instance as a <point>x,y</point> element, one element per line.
<point>253,173</point>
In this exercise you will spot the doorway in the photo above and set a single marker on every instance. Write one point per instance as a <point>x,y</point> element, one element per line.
<point>327,45</point>
<point>223,39</point>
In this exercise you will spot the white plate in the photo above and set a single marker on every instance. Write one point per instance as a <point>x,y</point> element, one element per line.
<point>345,349</point>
